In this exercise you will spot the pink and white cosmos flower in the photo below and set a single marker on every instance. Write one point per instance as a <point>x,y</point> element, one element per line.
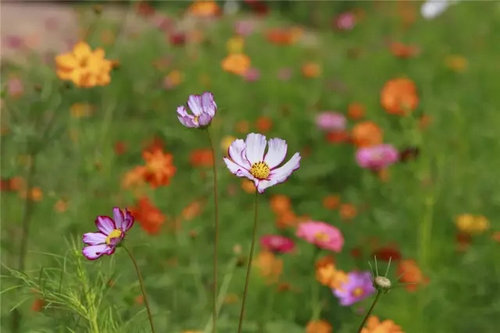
<point>203,109</point>
<point>322,235</point>
<point>377,157</point>
<point>249,159</point>
<point>111,233</point>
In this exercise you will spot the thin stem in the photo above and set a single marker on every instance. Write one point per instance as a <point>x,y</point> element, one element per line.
<point>249,264</point>
<point>216,235</point>
<point>369,312</point>
<point>141,283</point>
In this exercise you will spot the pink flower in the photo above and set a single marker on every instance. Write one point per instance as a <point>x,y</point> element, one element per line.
<point>331,121</point>
<point>15,87</point>
<point>345,21</point>
<point>377,157</point>
<point>277,243</point>
<point>321,234</point>
<point>111,233</point>
<point>244,27</point>
<point>359,286</point>
<point>203,108</point>
<point>252,74</point>
<point>249,159</point>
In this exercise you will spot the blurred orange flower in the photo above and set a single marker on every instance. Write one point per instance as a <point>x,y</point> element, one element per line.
<point>424,121</point>
<point>204,8</point>
<point>61,206</point>
<point>280,203</point>
<point>331,202</point>
<point>401,50</point>
<point>348,211</point>
<point>173,79</point>
<point>236,63</point>
<point>366,134</point>
<point>337,136</point>
<point>374,325</point>
<point>35,194</point>
<point>318,326</point>
<point>311,70</point>
<point>329,276</point>
<point>269,266</point>
<point>192,210</point>
<point>134,177</point>
<point>37,304</point>
<point>84,67</point>
<point>284,36</point>
<point>399,96</point>
<point>410,273</point>
<point>287,219</point>
<point>159,167</point>
<point>248,186</point>
<point>264,124</point>
<point>356,111</point>
<point>201,157</point>
<point>149,216</point>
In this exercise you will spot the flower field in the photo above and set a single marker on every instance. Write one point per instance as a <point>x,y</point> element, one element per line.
<point>250,166</point>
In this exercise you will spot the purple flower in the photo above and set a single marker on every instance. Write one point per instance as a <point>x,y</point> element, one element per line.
<point>111,233</point>
<point>331,121</point>
<point>203,108</point>
<point>249,159</point>
<point>358,287</point>
<point>377,157</point>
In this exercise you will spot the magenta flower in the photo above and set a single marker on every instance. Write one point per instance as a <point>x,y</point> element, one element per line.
<point>321,234</point>
<point>252,74</point>
<point>203,108</point>
<point>358,287</point>
<point>277,243</point>
<point>331,121</point>
<point>249,159</point>
<point>377,157</point>
<point>111,233</point>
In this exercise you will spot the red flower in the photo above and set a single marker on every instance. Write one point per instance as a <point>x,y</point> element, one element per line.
<point>149,216</point>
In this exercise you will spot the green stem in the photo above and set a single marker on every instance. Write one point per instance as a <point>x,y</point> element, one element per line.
<point>369,311</point>
<point>141,284</point>
<point>249,264</point>
<point>216,234</point>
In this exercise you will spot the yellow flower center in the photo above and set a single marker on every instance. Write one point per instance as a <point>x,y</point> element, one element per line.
<point>116,233</point>
<point>358,292</point>
<point>195,120</point>
<point>322,237</point>
<point>260,170</point>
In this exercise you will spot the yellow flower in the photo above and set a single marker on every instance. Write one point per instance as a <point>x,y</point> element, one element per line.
<point>84,67</point>
<point>235,44</point>
<point>472,224</point>
<point>456,63</point>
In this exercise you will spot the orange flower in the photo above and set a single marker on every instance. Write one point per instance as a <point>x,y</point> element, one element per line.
<point>399,96</point>
<point>201,157</point>
<point>38,304</point>
<point>236,63</point>
<point>61,206</point>
<point>192,210</point>
<point>374,325</point>
<point>159,167</point>
<point>84,67</point>
<point>134,178</point>
<point>311,70</point>
<point>411,273</point>
<point>401,50</point>
<point>318,326</point>
<point>149,217</point>
<point>269,266</point>
<point>282,36</point>
<point>366,134</point>
<point>173,79</point>
<point>337,136</point>
<point>287,219</point>
<point>496,236</point>
<point>348,211</point>
<point>203,8</point>
<point>280,203</point>
<point>242,126</point>
<point>331,202</point>
<point>424,121</point>
<point>356,111</point>
<point>36,194</point>
<point>264,124</point>
<point>329,276</point>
